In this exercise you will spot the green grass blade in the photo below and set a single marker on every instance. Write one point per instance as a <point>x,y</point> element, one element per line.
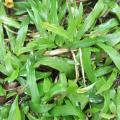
<point>2,44</point>
<point>105,27</point>
<point>109,82</point>
<point>53,12</point>
<point>31,117</point>
<point>118,103</point>
<point>68,109</point>
<point>55,29</point>
<point>41,108</point>
<point>91,19</point>
<point>57,63</point>
<point>103,70</point>
<point>36,17</point>
<point>46,85</point>
<point>106,102</point>
<point>31,81</point>
<point>10,22</point>
<point>13,76</point>
<point>14,113</point>
<point>87,42</point>
<point>21,35</point>
<point>2,91</point>
<point>87,64</point>
<point>113,39</point>
<point>114,55</point>
<point>115,8</point>
<point>12,40</point>
<point>2,9</point>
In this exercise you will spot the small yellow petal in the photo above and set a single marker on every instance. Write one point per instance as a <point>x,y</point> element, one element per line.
<point>9,3</point>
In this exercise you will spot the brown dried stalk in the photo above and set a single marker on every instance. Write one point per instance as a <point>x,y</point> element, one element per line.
<point>76,66</point>
<point>56,52</point>
<point>82,69</point>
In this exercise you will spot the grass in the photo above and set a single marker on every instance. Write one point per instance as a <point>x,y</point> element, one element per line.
<point>59,60</point>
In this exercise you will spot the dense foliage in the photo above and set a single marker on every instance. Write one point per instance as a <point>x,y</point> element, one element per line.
<point>59,60</point>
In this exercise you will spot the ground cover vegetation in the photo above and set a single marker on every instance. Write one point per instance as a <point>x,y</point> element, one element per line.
<point>59,60</point>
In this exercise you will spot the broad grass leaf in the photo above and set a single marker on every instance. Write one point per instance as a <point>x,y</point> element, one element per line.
<point>14,113</point>
<point>117,100</point>
<point>21,7</point>
<point>2,44</point>
<point>31,117</point>
<point>61,10</point>
<point>105,27</point>
<point>53,12</point>
<point>46,85</point>
<point>101,81</point>
<point>109,82</point>
<point>12,40</point>
<point>112,107</point>
<point>114,38</point>
<point>38,44</point>
<point>7,20</point>
<point>2,9</point>
<point>57,63</point>
<point>115,8</point>
<point>4,110</point>
<point>91,19</point>
<point>41,108</point>
<point>37,15</point>
<point>55,29</point>
<point>10,21</point>
<point>76,98</point>
<point>8,63</point>
<point>66,110</point>
<point>87,42</point>
<point>76,15</point>
<point>41,44</point>
<point>96,99</point>
<point>87,64</point>
<point>63,79</point>
<point>106,96</point>
<point>114,55</point>
<point>3,69</point>
<point>85,89</point>
<point>42,75</point>
<point>57,89</point>
<point>2,91</point>
<point>103,70</point>
<point>107,116</point>
<point>21,35</point>
<point>13,76</point>
<point>31,81</point>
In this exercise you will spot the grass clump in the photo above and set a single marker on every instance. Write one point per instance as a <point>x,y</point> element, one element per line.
<point>59,60</point>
